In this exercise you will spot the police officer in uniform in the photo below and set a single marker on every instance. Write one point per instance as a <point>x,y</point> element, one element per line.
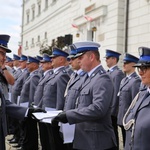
<point>73,86</point>
<point>30,140</point>
<point>46,141</point>
<point>6,106</point>
<point>136,120</point>
<point>129,87</point>
<point>92,115</point>
<point>17,87</point>
<point>53,95</point>
<point>112,58</point>
<point>16,65</point>
<point>15,94</point>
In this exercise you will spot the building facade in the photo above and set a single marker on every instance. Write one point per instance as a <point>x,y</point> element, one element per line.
<point>120,25</point>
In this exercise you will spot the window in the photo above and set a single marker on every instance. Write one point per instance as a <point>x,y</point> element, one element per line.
<point>27,15</point>
<point>33,11</point>
<point>32,43</point>
<point>39,8</point>
<point>45,36</point>
<point>26,43</point>
<point>46,4</point>
<point>38,40</point>
<point>33,14</point>
<point>32,40</point>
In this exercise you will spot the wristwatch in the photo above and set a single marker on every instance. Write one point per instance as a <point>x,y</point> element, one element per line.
<point>4,68</point>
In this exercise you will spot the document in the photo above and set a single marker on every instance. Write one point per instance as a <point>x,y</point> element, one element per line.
<point>47,115</point>
<point>68,132</point>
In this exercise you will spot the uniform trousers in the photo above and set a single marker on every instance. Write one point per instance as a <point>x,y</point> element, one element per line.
<point>46,136</point>
<point>30,141</point>
<point>2,137</point>
<point>115,127</point>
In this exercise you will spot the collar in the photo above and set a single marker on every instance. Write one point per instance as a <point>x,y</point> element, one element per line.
<point>79,71</point>
<point>148,89</point>
<point>44,74</point>
<point>89,73</point>
<point>130,75</point>
<point>23,69</point>
<point>56,69</point>
<point>33,72</point>
<point>112,68</point>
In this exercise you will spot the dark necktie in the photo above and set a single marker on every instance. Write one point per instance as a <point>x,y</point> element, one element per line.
<point>126,78</point>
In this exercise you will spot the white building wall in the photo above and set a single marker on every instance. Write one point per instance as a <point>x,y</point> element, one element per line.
<point>108,16</point>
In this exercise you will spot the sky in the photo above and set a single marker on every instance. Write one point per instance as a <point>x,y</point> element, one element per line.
<point>10,22</point>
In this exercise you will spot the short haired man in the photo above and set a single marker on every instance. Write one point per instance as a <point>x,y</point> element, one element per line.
<point>92,115</point>
<point>6,106</point>
<point>129,87</point>
<point>112,58</point>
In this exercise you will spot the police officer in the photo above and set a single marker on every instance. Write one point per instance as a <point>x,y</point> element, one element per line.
<point>40,65</point>
<point>112,58</point>
<point>16,65</point>
<point>53,95</point>
<point>6,106</point>
<point>92,115</point>
<point>47,72</point>
<point>74,84</point>
<point>136,120</point>
<point>30,140</point>
<point>46,140</point>
<point>15,94</point>
<point>17,87</point>
<point>129,87</point>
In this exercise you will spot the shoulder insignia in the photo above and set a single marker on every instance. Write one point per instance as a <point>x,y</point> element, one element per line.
<point>64,71</point>
<point>137,77</point>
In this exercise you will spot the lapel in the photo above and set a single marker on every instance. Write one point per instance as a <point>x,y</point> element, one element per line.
<point>56,73</point>
<point>143,101</point>
<point>113,69</point>
<point>46,77</point>
<point>125,81</point>
<point>74,81</point>
<point>87,79</point>
<point>20,74</point>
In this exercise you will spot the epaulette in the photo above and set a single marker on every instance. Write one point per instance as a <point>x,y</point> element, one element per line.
<point>143,88</point>
<point>35,72</point>
<point>64,71</point>
<point>50,72</point>
<point>137,77</point>
<point>82,73</point>
<point>102,71</point>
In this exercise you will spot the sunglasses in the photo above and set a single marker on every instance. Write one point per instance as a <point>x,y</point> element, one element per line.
<point>143,69</point>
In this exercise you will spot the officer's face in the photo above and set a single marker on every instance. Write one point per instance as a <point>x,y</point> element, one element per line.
<point>31,66</point>
<point>23,64</point>
<point>144,72</point>
<point>110,61</point>
<point>58,61</point>
<point>46,66</point>
<point>128,67</point>
<point>2,56</point>
<point>85,61</point>
<point>16,62</point>
<point>74,63</point>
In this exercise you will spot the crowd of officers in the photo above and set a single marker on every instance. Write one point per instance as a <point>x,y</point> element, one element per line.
<point>95,100</point>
